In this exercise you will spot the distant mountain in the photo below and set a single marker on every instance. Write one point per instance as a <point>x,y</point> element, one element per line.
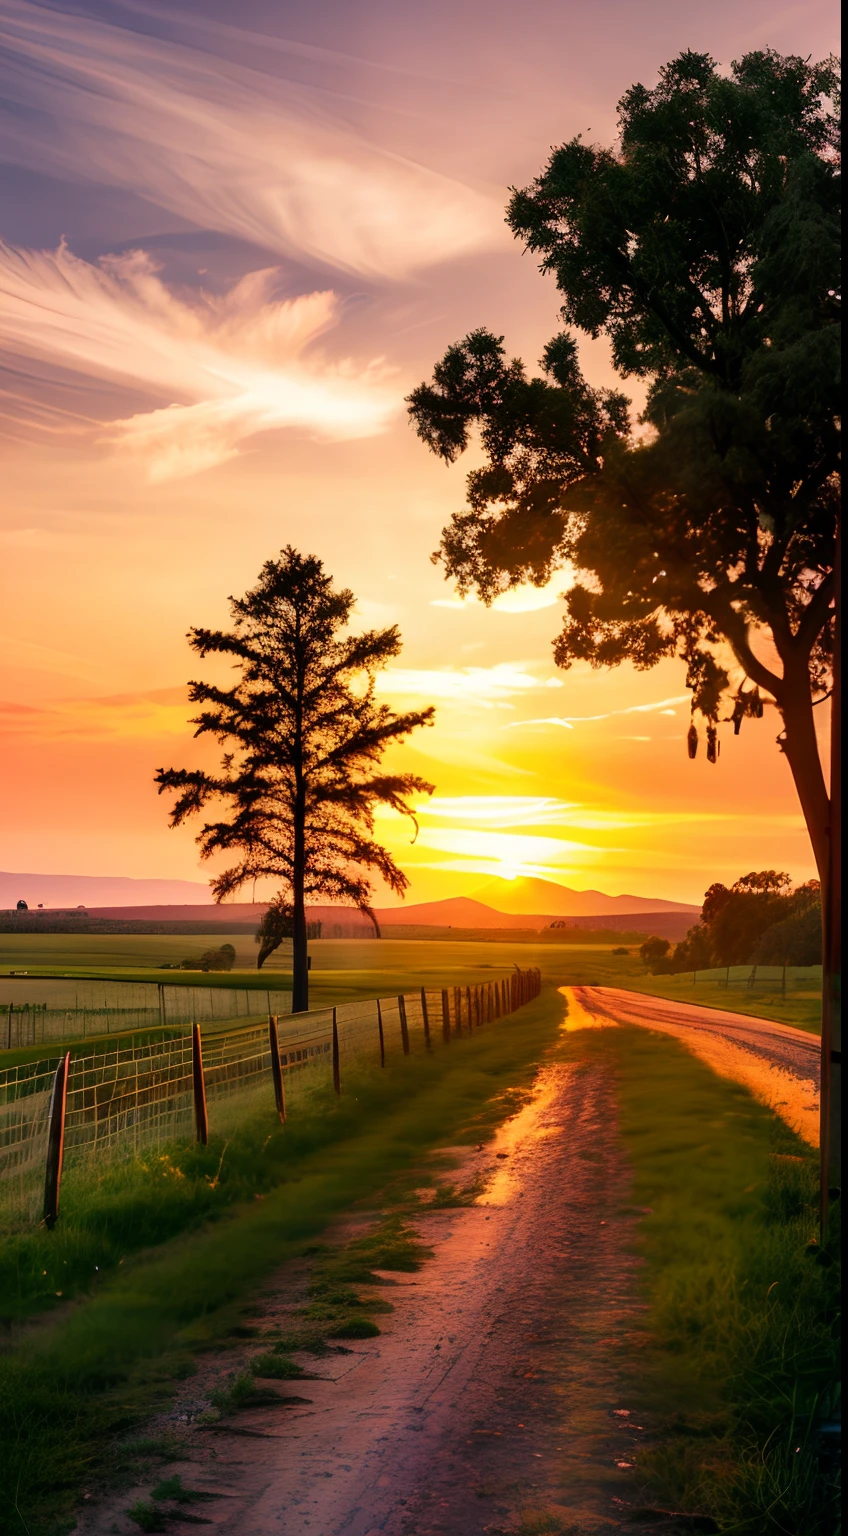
<point>99,891</point>
<point>527,895</point>
<point>498,903</point>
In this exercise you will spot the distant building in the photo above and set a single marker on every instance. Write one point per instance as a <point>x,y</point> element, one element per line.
<point>22,907</point>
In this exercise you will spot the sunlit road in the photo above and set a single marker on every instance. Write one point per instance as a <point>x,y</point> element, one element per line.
<point>781,1065</point>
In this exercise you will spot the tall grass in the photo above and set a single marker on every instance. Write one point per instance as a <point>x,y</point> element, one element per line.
<point>742,1360</point>
<point>162,1257</point>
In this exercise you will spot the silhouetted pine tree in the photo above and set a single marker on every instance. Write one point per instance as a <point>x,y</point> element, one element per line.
<point>300,783</point>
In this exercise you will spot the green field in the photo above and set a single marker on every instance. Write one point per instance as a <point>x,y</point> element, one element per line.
<point>343,969</point>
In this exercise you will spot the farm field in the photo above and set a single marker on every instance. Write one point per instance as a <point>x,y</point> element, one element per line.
<point>346,969</point>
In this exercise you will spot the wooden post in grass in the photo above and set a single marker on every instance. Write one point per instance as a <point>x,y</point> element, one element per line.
<point>276,1068</point>
<point>201,1118</point>
<point>426,1018</point>
<point>404,1027</point>
<point>56,1141</point>
<point>11,1011</point>
<point>382,1037</point>
<point>445,1016</point>
<point>337,1075</point>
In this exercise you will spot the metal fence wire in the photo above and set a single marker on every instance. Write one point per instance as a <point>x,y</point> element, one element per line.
<point>36,1010</point>
<point>120,1102</point>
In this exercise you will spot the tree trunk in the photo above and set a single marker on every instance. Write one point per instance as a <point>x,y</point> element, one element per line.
<point>831,1056</point>
<point>300,962</point>
<point>822,814</point>
<point>802,752</point>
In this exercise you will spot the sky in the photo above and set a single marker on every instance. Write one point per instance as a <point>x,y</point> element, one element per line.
<point>227,253</point>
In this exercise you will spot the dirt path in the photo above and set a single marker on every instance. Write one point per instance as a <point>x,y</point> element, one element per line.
<point>493,1394</point>
<point>777,1063</point>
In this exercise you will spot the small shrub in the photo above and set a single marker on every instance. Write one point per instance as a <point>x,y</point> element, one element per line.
<point>275,1367</point>
<point>354,1328</point>
<point>174,1488</point>
<point>147,1516</point>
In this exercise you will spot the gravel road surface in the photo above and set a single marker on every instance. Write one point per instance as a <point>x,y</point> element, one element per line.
<point>781,1065</point>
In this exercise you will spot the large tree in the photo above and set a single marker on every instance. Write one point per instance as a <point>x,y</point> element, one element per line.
<point>304,732</point>
<point>705,247</point>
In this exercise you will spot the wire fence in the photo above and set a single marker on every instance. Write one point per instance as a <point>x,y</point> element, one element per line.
<point>64,1112</point>
<point>37,1011</point>
<point>778,978</point>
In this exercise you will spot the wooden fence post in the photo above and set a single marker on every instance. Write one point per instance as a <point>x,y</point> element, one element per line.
<point>457,1009</point>
<point>382,1037</point>
<point>11,1011</point>
<point>337,1075</point>
<point>276,1068</point>
<point>201,1118</point>
<point>445,1016</point>
<point>404,1027</point>
<point>56,1141</point>
<point>426,1018</point>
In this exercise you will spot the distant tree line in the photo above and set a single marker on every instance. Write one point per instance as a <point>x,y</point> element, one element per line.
<point>759,920</point>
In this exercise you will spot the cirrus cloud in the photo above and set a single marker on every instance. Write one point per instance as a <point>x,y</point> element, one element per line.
<point>224,367</point>
<point>235,148</point>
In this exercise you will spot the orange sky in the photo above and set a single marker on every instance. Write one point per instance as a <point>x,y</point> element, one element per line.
<point>228,254</point>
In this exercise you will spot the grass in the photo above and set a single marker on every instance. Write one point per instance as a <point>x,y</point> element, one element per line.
<point>179,1253</point>
<point>801,1007</point>
<point>740,1362</point>
<point>346,969</point>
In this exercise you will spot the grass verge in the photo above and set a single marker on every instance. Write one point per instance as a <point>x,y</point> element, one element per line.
<point>741,1362</point>
<point>175,1278</point>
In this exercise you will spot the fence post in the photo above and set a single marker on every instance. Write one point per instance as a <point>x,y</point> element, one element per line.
<point>11,1011</point>
<point>445,1016</point>
<point>404,1027</point>
<point>337,1076</point>
<point>457,1009</point>
<point>426,1018</point>
<point>201,1119</point>
<point>56,1141</point>
<point>468,1008</point>
<point>382,1038</point>
<point>276,1068</point>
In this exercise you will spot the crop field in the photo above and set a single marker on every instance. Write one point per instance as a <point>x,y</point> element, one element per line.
<point>346,969</point>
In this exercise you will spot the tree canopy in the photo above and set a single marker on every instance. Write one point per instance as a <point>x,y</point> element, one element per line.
<point>705,248</point>
<point>305,734</point>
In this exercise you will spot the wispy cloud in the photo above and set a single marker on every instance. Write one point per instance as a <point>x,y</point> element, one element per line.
<point>225,367</point>
<point>509,811</point>
<point>232,148</point>
<point>524,599</point>
<point>129,717</point>
<point>470,685</point>
<point>568,722</point>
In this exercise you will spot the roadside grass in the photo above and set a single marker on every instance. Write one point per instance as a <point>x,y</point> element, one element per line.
<point>740,1362</point>
<point>800,1008</point>
<point>180,1254</point>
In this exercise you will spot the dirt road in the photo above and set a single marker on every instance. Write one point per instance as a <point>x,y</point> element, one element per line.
<point>493,1395</point>
<point>779,1064</point>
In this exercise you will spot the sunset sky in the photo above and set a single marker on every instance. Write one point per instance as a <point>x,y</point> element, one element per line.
<point>227,253</point>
